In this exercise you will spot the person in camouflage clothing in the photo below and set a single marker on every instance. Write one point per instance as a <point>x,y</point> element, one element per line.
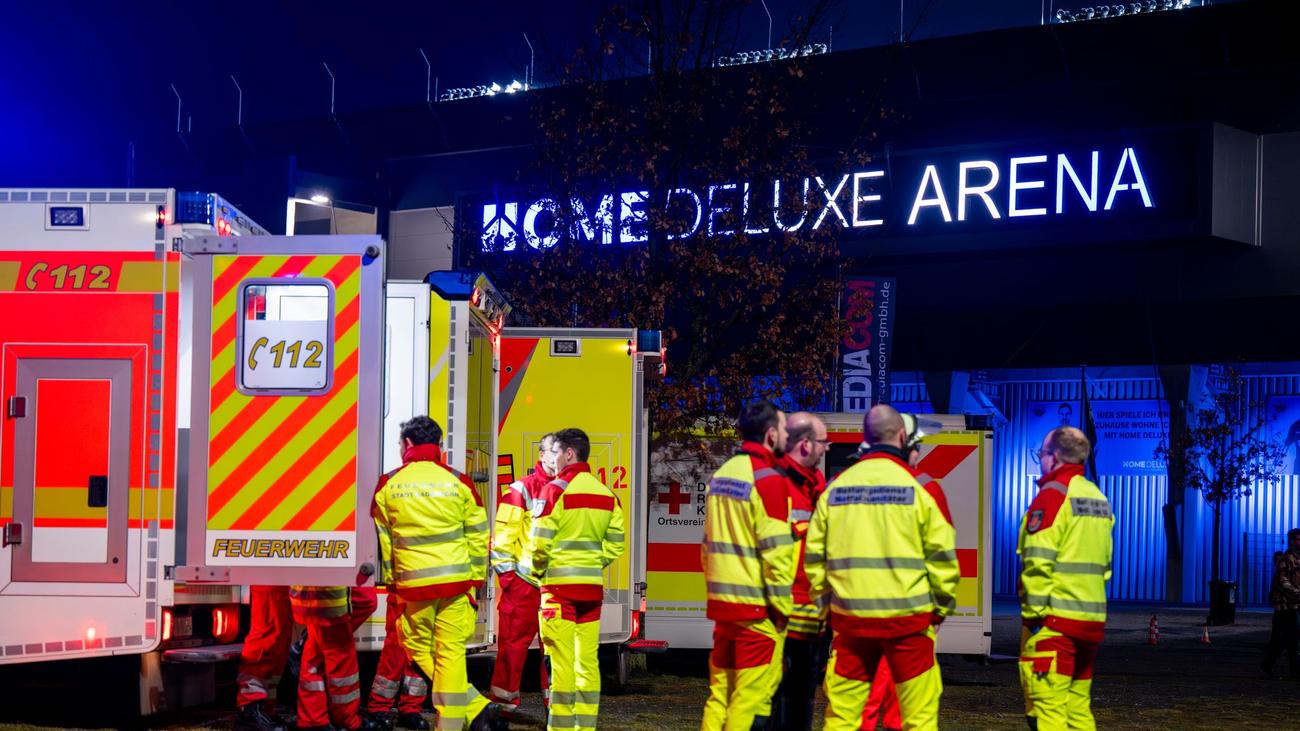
<point>1285,598</point>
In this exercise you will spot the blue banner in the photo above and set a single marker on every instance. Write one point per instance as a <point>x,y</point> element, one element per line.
<point>1128,433</point>
<point>862,372</point>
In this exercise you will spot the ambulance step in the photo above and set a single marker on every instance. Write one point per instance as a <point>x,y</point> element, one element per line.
<point>209,654</point>
<point>644,646</point>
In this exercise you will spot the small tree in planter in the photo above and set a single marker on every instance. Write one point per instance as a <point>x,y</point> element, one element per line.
<point>1225,451</point>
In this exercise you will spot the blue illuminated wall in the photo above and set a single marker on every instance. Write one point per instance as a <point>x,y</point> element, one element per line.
<point>1252,528</point>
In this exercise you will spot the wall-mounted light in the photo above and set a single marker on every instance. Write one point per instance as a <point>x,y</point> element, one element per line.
<point>320,198</point>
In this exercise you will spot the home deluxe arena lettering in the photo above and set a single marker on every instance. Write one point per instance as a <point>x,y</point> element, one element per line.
<point>946,194</point>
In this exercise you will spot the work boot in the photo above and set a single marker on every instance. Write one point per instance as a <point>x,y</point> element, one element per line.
<point>253,717</point>
<point>378,720</point>
<point>486,718</point>
<point>370,723</point>
<point>412,721</point>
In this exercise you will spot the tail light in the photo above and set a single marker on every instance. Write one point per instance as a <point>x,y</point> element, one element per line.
<point>225,623</point>
<point>636,625</point>
<point>167,625</point>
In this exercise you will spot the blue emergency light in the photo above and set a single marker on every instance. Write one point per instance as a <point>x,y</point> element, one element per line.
<point>194,207</point>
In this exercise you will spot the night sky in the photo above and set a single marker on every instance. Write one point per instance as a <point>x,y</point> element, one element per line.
<point>83,80</point>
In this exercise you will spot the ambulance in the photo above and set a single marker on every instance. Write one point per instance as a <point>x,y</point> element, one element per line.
<point>497,391</point>
<point>960,457</point>
<point>95,385</point>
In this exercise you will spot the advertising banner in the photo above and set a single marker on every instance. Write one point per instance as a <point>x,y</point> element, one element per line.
<point>1284,425</point>
<point>862,373</point>
<point>1128,433</point>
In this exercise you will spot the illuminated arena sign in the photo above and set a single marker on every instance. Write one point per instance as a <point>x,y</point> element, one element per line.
<point>898,196</point>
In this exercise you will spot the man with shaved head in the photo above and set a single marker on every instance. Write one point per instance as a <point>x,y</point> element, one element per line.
<point>792,709</point>
<point>882,543</point>
<point>1065,544</point>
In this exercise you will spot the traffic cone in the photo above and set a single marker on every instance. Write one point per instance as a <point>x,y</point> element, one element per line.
<point>1205,634</point>
<point>1153,631</point>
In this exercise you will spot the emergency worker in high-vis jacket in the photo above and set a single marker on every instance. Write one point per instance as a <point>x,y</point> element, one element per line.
<point>520,597</point>
<point>329,681</point>
<point>748,557</point>
<point>1065,547</point>
<point>578,534</point>
<point>792,709</point>
<point>433,538</point>
<point>882,543</point>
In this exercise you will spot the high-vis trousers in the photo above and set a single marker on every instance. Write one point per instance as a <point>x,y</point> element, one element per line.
<point>854,661</point>
<point>517,624</point>
<point>744,673</point>
<point>882,704</point>
<point>434,634</point>
<point>266,648</point>
<point>1056,675</point>
<point>571,638</point>
<point>395,676</point>
<point>329,683</point>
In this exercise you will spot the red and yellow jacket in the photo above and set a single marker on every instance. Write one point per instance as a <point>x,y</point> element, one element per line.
<point>806,486</point>
<point>579,533</point>
<point>883,544</point>
<point>748,550</point>
<point>1065,544</point>
<point>512,531</point>
<point>433,530</point>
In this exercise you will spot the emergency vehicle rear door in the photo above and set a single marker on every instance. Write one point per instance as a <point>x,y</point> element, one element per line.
<point>589,379</point>
<point>284,444</point>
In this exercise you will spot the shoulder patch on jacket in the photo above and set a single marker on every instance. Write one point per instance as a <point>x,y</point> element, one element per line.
<point>1043,510</point>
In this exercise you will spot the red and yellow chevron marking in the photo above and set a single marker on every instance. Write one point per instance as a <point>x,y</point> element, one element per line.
<point>283,462</point>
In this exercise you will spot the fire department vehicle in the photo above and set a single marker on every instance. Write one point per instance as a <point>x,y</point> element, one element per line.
<point>960,457</point>
<point>223,389</point>
<point>94,361</point>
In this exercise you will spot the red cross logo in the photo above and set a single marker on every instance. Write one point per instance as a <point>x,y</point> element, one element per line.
<point>674,498</point>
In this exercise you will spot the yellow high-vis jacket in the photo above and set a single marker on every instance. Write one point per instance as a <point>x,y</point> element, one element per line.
<point>580,533</point>
<point>884,545</point>
<point>512,530</point>
<point>319,603</point>
<point>748,551</point>
<point>1065,544</point>
<point>433,530</point>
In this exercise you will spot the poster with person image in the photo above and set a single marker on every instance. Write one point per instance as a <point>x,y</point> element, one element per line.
<point>1283,414</point>
<point>1041,418</point>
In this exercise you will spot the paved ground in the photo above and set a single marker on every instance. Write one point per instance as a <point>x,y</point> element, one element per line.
<point>1178,684</point>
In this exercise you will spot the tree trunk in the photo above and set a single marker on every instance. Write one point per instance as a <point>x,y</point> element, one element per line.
<point>1216,541</point>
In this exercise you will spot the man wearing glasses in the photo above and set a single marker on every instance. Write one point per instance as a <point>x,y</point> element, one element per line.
<point>806,444</point>
<point>1065,544</point>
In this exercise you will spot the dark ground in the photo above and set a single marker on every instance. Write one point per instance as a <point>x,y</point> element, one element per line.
<point>1178,684</point>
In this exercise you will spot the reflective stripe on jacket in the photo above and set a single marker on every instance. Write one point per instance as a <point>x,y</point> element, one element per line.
<point>806,486</point>
<point>1065,545</point>
<point>319,603</point>
<point>580,534</point>
<point>883,544</point>
<point>432,529</point>
<point>748,551</point>
<point>511,534</point>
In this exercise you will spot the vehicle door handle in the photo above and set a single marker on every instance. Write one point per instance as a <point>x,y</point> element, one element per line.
<point>13,534</point>
<point>97,492</point>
